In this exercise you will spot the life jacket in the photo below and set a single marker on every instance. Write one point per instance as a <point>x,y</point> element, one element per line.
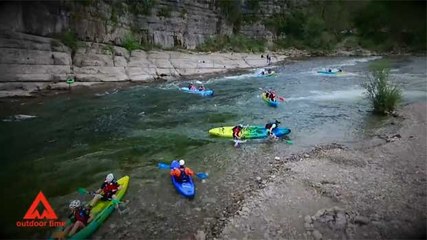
<point>236,131</point>
<point>272,96</point>
<point>82,215</point>
<point>110,188</point>
<point>270,125</point>
<point>183,175</point>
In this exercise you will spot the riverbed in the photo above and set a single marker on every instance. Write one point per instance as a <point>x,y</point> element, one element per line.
<point>76,138</point>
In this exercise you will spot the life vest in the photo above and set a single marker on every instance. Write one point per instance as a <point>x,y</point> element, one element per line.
<point>82,215</point>
<point>109,188</point>
<point>236,131</point>
<point>183,175</point>
<point>271,126</point>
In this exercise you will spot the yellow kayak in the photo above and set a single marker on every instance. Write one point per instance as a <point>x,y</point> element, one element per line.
<point>101,211</point>
<point>248,132</point>
<point>101,205</point>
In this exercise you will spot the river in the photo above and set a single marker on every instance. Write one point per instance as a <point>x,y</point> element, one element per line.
<point>77,138</point>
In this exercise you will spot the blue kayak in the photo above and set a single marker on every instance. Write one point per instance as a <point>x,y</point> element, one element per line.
<point>186,188</point>
<point>330,73</point>
<point>202,93</point>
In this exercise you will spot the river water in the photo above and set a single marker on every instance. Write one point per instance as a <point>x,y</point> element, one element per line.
<point>77,138</point>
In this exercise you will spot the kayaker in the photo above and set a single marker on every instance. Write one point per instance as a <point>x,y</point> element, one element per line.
<point>272,96</point>
<point>237,130</point>
<point>80,216</point>
<point>191,87</point>
<point>182,173</point>
<point>270,127</point>
<point>202,88</point>
<point>107,191</point>
<point>269,71</point>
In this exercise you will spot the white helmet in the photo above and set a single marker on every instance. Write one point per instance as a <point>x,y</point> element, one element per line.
<point>181,162</point>
<point>109,177</point>
<point>75,204</point>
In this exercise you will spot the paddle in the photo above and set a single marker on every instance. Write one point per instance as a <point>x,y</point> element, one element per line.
<point>84,191</point>
<point>201,175</point>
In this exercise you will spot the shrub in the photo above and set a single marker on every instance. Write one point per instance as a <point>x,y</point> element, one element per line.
<point>164,12</point>
<point>383,95</point>
<point>131,43</point>
<point>235,43</point>
<point>69,39</point>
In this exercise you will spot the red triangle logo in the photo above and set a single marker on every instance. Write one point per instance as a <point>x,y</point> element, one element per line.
<point>47,213</point>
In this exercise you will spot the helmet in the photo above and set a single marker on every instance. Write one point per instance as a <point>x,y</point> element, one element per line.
<point>74,204</point>
<point>110,177</point>
<point>181,162</point>
<point>276,122</point>
<point>240,125</point>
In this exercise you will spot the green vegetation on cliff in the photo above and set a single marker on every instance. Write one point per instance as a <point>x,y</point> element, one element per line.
<point>234,43</point>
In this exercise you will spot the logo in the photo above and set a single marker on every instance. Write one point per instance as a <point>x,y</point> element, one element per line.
<point>47,216</point>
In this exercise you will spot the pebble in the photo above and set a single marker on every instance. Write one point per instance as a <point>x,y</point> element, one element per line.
<point>317,235</point>
<point>306,155</point>
<point>277,158</point>
<point>258,179</point>
<point>361,220</point>
<point>308,219</point>
<point>197,209</point>
<point>308,227</point>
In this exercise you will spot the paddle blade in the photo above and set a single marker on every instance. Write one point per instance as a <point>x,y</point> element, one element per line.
<point>289,142</point>
<point>282,99</point>
<point>202,175</point>
<point>163,166</point>
<point>82,191</point>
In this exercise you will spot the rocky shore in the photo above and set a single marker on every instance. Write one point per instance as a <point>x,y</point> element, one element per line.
<point>374,189</point>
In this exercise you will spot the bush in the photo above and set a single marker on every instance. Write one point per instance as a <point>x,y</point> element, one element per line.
<point>235,43</point>
<point>164,12</point>
<point>143,7</point>
<point>380,91</point>
<point>131,43</point>
<point>69,39</point>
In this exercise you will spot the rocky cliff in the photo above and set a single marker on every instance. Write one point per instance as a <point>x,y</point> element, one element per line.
<point>167,23</point>
<point>36,54</point>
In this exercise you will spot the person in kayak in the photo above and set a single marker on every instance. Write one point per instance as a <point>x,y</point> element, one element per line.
<point>182,173</point>
<point>272,96</point>
<point>202,88</point>
<point>80,216</point>
<point>191,87</point>
<point>270,128</point>
<point>237,132</point>
<point>107,191</point>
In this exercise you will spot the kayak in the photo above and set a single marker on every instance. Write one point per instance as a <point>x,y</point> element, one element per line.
<point>248,132</point>
<point>185,188</point>
<point>269,102</point>
<point>272,74</point>
<point>333,73</point>
<point>202,93</point>
<point>101,210</point>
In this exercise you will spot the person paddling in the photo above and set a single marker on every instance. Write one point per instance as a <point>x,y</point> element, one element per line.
<point>182,173</point>
<point>80,217</point>
<point>107,191</point>
<point>271,127</point>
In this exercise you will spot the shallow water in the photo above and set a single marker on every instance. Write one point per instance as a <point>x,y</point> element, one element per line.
<point>76,139</point>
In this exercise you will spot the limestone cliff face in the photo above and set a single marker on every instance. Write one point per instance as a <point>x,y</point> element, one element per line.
<point>32,56</point>
<point>168,23</point>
